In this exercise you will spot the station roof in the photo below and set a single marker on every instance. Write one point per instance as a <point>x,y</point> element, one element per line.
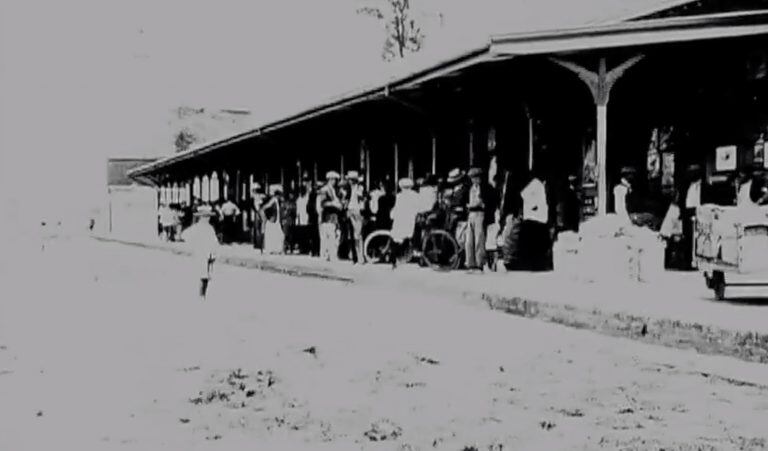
<point>559,41</point>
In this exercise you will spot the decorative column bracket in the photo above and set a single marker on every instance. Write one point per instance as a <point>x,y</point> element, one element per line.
<point>601,82</point>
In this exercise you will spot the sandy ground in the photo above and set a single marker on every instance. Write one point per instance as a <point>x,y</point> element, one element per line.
<point>107,347</point>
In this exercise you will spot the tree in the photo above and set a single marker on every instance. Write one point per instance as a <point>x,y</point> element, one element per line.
<point>404,34</point>
<point>184,139</point>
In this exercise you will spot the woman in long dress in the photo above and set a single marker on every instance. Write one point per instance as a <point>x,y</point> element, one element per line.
<point>273,231</point>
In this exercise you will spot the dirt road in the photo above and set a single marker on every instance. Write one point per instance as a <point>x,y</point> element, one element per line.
<point>107,347</point>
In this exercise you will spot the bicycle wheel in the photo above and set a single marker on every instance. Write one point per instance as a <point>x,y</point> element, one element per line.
<point>377,246</point>
<point>440,250</point>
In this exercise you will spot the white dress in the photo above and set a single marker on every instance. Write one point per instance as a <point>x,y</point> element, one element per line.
<point>273,233</point>
<point>201,238</point>
<point>404,214</point>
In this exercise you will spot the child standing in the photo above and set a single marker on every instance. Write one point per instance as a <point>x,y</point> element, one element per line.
<point>203,241</point>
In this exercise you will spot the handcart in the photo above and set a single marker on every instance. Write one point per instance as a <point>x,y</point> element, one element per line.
<point>731,247</point>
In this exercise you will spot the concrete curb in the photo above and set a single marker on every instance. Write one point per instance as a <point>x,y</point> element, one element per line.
<point>745,345</point>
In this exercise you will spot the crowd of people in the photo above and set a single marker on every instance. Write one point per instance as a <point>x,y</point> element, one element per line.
<point>490,217</point>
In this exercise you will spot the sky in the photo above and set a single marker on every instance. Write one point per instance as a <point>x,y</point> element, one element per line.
<point>83,80</point>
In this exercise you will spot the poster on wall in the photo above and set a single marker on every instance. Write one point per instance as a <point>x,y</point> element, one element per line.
<point>765,151</point>
<point>589,177</point>
<point>653,164</point>
<point>725,158</point>
<point>668,170</point>
<point>759,153</point>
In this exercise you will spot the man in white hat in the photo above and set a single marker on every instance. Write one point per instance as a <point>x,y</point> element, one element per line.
<point>355,204</point>
<point>330,207</point>
<point>457,200</point>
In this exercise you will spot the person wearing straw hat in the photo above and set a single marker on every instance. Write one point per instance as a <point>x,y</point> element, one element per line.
<point>355,204</point>
<point>480,207</point>
<point>457,199</point>
<point>329,207</point>
<point>403,217</point>
<point>202,239</point>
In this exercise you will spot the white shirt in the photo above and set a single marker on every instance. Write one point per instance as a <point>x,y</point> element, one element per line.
<point>492,170</point>
<point>302,217</point>
<point>375,195</point>
<point>427,198</point>
<point>693,197</point>
<point>356,198</point>
<point>535,206</point>
<point>404,214</point>
<point>620,192</point>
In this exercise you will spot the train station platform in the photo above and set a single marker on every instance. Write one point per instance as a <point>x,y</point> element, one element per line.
<point>675,310</point>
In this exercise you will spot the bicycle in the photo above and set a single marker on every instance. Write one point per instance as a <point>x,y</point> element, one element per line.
<point>438,249</point>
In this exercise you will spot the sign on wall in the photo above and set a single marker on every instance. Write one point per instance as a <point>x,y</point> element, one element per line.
<point>725,158</point>
<point>668,170</point>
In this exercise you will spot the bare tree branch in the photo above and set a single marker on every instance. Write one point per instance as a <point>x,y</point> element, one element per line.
<point>404,35</point>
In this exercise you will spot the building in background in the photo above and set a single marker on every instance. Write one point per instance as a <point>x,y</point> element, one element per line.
<point>131,207</point>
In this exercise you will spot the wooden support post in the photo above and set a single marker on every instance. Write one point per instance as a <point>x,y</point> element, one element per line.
<point>362,157</point>
<point>314,172</point>
<point>602,168</point>
<point>410,168</point>
<point>238,186</point>
<point>282,176</point>
<point>397,164</point>
<point>298,172</point>
<point>224,185</point>
<point>434,154</point>
<point>341,165</point>
<point>600,84</point>
<point>368,169</point>
<point>530,143</point>
<point>471,144</point>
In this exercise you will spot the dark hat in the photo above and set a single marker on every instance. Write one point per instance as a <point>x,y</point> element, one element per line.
<point>694,168</point>
<point>430,180</point>
<point>628,170</point>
